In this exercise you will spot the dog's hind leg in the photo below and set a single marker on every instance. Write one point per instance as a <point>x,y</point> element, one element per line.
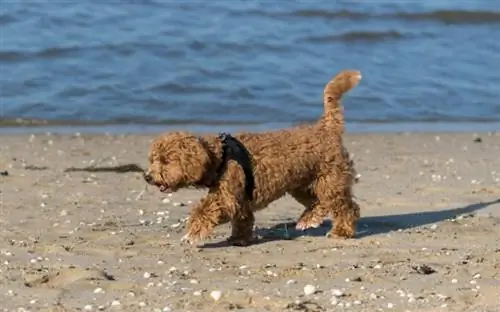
<point>314,212</point>
<point>336,193</point>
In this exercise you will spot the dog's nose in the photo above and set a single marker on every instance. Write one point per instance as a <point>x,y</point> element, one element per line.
<point>148,178</point>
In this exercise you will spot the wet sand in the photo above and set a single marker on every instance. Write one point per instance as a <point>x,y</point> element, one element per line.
<point>428,240</point>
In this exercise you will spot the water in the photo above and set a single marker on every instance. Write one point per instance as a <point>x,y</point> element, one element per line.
<point>250,64</point>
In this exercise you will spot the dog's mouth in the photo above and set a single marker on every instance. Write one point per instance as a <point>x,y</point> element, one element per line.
<point>167,189</point>
<point>163,188</point>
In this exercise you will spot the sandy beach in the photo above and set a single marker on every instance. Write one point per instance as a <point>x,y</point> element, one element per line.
<point>100,240</point>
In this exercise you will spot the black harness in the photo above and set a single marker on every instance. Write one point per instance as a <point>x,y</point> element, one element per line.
<point>233,149</point>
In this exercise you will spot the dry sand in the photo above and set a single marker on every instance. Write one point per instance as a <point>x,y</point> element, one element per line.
<point>428,240</point>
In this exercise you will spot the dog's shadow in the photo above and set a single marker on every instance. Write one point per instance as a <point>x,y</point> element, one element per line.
<point>367,226</point>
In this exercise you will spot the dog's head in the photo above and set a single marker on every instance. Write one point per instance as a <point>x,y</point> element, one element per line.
<point>181,159</point>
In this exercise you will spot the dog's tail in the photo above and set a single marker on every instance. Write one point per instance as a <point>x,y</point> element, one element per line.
<point>340,84</point>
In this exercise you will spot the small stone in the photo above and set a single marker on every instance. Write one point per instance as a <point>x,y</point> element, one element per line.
<point>216,295</point>
<point>115,303</point>
<point>454,281</point>
<point>167,309</point>
<point>142,304</point>
<point>197,293</point>
<point>166,201</point>
<point>309,289</point>
<point>289,282</point>
<point>88,307</point>
<point>193,281</point>
<point>434,227</point>
<point>477,276</point>
<point>98,290</point>
<point>337,292</point>
<point>390,305</point>
<point>147,275</point>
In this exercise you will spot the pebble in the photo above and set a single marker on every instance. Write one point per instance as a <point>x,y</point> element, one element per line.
<point>390,305</point>
<point>167,309</point>
<point>115,303</point>
<point>289,282</point>
<point>337,292</point>
<point>309,289</point>
<point>454,281</point>
<point>166,200</point>
<point>216,294</point>
<point>147,275</point>
<point>98,290</point>
<point>175,225</point>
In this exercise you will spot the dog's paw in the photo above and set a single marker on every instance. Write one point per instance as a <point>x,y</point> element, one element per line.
<point>186,239</point>
<point>303,225</point>
<point>196,233</point>
<point>240,242</point>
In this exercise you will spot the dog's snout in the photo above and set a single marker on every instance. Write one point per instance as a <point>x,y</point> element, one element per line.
<point>148,178</point>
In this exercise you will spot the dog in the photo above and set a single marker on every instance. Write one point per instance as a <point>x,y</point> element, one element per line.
<point>309,162</point>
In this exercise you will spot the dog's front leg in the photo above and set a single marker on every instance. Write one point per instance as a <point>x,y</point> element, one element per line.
<point>242,225</point>
<point>207,214</point>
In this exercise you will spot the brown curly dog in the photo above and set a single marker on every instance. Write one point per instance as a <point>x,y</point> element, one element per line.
<point>308,162</point>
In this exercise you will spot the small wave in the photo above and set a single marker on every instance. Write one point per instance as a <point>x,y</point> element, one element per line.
<point>444,16</point>
<point>454,17</point>
<point>182,88</point>
<point>57,52</point>
<point>6,19</point>
<point>327,14</point>
<point>353,36</point>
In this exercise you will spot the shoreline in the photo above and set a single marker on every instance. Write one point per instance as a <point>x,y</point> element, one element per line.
<point>352,127</point>
<point>428,238</point>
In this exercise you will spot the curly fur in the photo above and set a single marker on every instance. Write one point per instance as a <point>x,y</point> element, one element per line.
<point>309,162</point>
